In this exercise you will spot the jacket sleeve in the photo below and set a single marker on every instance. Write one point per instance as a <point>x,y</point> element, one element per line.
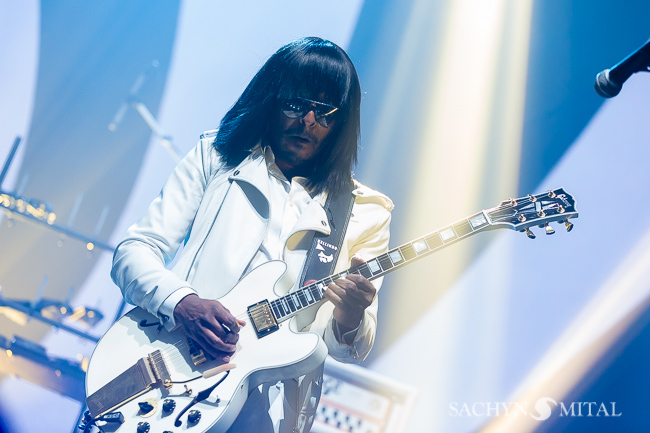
<point>140,259</point>
<point>374,243</point>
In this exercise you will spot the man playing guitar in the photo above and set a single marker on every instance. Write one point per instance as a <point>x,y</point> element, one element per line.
<point>255,191</point>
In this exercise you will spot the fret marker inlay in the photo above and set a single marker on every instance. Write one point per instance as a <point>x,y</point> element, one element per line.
<point>420,246</point>
<point>396,256</point>
<point>447,234</point>
<point>478,221</point>
<point>374,266</point>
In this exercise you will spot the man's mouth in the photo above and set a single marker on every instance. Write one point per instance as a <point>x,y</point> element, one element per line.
<point>300,139</point>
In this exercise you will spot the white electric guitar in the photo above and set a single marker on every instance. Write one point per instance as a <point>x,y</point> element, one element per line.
<point>142,378</point>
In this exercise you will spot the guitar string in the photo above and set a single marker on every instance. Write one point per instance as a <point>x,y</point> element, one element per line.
<point>364,266</point>
<point>169,356</point>
<point>175,358</point>
<point>497,213</point>
<point>523,201</point>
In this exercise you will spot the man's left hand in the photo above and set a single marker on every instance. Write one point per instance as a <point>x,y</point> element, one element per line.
<point>351,296</point>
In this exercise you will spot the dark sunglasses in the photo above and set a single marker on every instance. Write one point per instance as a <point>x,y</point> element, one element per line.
<point>297,108</point>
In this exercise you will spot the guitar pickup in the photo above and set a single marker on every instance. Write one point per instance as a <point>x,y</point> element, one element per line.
<point>262,318</point>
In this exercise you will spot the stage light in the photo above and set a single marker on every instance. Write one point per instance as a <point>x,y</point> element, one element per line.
<point>85,315</point>
<point>470,136</point>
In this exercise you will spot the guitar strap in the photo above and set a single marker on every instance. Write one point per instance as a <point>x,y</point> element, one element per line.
<point>324,250</point>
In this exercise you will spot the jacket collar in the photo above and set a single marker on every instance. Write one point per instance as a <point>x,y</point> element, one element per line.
<point>253,170</point>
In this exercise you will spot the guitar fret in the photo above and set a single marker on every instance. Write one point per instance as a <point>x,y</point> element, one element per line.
<point>463,228</point>
<point>280,308</point>
<point>296,300</point>
<point>296,304</point>
<point>300,294</point>
<point>319,289</point>
<point>434,241</point>
<point>291,304</point>
<point>364,270</point>
<point>408,252</point>
<point>310,298</point>
<point>276,311</point>
<point>285,305</point>
<point>384,261</point>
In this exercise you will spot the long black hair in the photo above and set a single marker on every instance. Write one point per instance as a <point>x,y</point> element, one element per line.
<point>311,68</point>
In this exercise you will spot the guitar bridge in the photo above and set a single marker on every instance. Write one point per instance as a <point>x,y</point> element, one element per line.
<point>262,318</point>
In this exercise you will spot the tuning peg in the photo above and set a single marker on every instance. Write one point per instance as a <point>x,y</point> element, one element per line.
<point>568,225</point>
<point>549,229</point>
<point>530,234</point>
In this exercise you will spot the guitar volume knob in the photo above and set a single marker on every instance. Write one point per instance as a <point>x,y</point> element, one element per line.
<point>169,405</point>
<point>194,416</point>
<point>145,406</point>
<point>143,427</point>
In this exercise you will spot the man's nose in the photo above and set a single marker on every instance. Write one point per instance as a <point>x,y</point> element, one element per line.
<point>310,118</point>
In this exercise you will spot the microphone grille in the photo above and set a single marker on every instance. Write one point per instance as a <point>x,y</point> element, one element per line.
<point>605,87</point>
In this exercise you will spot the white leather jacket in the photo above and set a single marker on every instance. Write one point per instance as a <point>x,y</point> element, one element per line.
<point>203,204</point>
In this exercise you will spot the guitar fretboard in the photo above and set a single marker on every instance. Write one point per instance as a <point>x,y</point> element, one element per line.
<point>287,306</point>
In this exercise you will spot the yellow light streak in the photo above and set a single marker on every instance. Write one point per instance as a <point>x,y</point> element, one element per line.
<point>470,145</point>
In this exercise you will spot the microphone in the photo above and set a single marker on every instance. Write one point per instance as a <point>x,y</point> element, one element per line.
<point>610,81</point>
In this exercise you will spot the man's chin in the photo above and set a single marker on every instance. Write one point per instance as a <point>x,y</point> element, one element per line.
<point>295,152</point>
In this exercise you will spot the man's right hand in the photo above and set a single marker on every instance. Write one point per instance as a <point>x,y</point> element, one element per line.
<point>210,324</point>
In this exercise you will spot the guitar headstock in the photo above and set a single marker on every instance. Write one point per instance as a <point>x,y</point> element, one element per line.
<point>535,210</point>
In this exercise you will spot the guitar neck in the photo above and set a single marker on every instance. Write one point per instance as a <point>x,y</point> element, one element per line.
<point>289,305</point>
